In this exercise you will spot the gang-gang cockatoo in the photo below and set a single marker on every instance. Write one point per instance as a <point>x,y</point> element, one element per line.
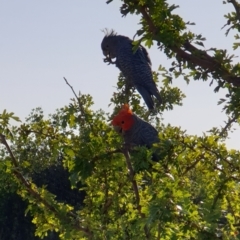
<point>135,66</point>
<point>134,130</point>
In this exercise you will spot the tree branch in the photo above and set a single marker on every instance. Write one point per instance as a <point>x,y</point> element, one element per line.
<point>192,166</point>
<point>197,57</point>
<point>131,175</point>
<point>77,98</point>
<point>237,8</point>
<point>219,193</point>
<point>35,194</point>
<point>194,163</point>
<point>229,123</point>
<point>81,108</point>
<point>135,188</point>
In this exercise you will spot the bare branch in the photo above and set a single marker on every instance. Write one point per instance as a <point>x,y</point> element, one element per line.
<point>77,98</point>
<point>70,87</point>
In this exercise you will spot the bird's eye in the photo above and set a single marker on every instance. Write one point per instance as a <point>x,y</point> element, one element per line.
<point>122,122</point>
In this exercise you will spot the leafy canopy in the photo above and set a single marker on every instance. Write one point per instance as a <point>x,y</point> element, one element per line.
<point>191,193</point>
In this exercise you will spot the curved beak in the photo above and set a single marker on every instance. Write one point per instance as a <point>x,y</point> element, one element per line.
<point>105,53</point>
<point>118,129</point>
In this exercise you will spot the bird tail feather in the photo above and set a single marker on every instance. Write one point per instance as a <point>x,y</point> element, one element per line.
<point>146,97</point>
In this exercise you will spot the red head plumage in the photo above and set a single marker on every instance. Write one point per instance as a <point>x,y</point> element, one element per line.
<point>124,119</point>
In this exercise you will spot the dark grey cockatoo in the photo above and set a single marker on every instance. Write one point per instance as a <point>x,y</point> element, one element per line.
<point>135,66</point>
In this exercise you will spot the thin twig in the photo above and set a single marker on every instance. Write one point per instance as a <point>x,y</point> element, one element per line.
<point>70,87</point>
<point>77,98</point>
<point>237,8</point>
<point>81,108</point>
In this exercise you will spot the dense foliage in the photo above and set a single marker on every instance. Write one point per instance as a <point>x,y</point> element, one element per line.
<point>72,177</point>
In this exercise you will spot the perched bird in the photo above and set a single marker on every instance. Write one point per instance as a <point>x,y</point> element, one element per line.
<point>135,66</point>
<point>135,131</point>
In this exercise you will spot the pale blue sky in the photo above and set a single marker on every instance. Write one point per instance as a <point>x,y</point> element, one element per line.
<point>43,41</point>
